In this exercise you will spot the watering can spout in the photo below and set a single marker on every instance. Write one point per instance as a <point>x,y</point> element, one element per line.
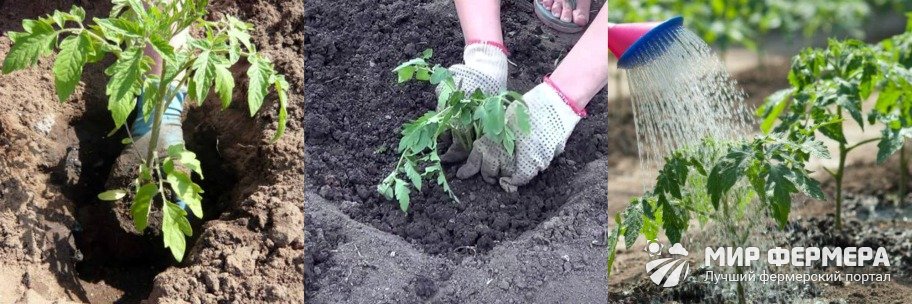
<point>631,43</point>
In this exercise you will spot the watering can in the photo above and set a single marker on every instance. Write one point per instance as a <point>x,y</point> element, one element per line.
<point>635,44</point>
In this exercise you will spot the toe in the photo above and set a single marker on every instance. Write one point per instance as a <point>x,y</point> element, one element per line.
<point>546,3</point>
<point>580,18</point>
<point>566,15</point>
<point>556,8</point>
<point>581,13</point>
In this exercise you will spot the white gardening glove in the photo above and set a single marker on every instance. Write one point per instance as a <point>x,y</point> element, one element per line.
<point>484,67</point>
<point>551,120</point>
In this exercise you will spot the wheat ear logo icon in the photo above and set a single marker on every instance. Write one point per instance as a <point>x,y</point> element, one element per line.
<point>670,271</point>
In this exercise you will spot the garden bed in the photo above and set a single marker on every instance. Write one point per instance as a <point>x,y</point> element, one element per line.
<point>870,213</point>
<point>492,245</point>
<point>55,158</point>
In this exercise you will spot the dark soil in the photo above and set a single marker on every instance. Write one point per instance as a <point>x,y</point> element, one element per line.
<point>355,108</point>
<point>354,113</point>
<point>59,243</point>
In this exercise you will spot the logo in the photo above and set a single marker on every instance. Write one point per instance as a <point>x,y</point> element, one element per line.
<point>670,271</point>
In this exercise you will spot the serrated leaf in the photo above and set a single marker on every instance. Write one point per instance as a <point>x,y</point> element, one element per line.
<point>162,46</point>
<point>412,173</point>
<point>633,222</point>
<point>258,76</point>
<point>141,206</point>
<point>38,40</point>
<point>174,227</point>
<point>112,195</point>
<point>674,220</point>
<point>806,184</point>
<point>890,142</point>
<point>71,58</point>
<point>124,84</point>
<point>779,190</point>
<point>727,172</point>
<point>224,84</point>
<point>402,194</point>
<point>203,75</point>
<point>187,191</point>
<point>187,158</point>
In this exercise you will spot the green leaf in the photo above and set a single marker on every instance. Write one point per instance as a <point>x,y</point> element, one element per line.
<point>727,172</point>
<point>833,131</point>
<point>112,195</point>
<point>890,142</point>
<point>174,226</point>
<point>187,191</point>
<point>439,75</point>
<point>412,173</point>
<point>423,75</point>
<point>125,82</point>
<point>141,205</point>
<point>806,184</point>
<point>258,75</point>
<point>224,84</point>
<point>71,58</point>
<point>779,190</point>
<point>509,141</point>
<point>427,53</point>
<point>773,107</point>
<point>405,74</point>
<point>38,40</point>
<point>162,46</point>
<point>203,75</point>
<point>187,158</point>
<point>494,117</point>
<point>281,87</point>
<point>522,118</point>
<point>633,222</point>
<point>674,220</point>
<point>402,194</point>
<point>612,243</point>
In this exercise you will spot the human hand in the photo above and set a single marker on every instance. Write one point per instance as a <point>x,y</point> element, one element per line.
<point>484,68</point>
<point>552,121</point>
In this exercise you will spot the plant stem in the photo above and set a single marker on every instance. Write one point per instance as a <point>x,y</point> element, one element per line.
<point>903,174</point>
<point>838,176</point>
<point>160,106</point>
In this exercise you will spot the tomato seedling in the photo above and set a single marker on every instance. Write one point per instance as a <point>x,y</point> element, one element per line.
<point>718,181</point>
<point>832,83</point>
<point>201,65</point>
<point>466,115</point>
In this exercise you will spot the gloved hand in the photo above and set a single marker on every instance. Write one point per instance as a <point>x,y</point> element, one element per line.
<point>552,121</point>
<point>170,134</point>
<point>484,67</point>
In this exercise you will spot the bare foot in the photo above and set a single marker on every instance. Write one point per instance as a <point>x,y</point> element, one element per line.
<point>564,10</point>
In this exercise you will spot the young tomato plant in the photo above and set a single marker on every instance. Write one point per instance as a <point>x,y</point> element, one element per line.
<point>827,85</point>
<point>466,115</point>
<point>893,107</point>
<point>717,182</point>
<point>201,65</point>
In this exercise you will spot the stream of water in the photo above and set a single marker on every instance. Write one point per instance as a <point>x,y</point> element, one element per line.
<point>683,96</point>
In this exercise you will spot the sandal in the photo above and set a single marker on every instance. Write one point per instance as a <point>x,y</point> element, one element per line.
<point>544,14</point>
